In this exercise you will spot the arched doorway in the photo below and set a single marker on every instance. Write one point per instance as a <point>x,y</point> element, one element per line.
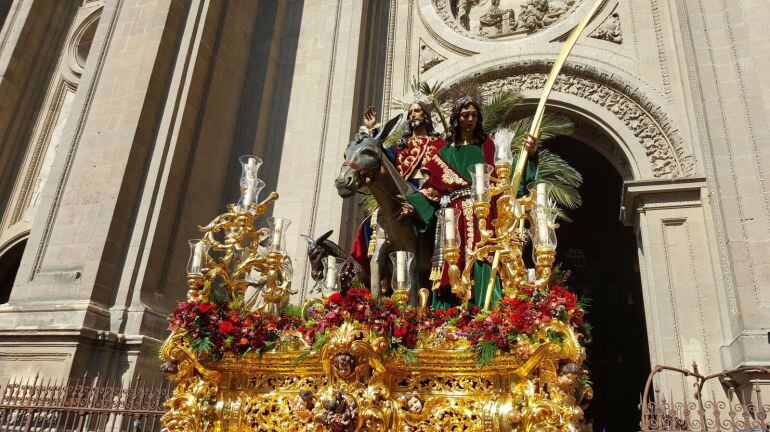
<point>602,256</point>
<point>9,266</point>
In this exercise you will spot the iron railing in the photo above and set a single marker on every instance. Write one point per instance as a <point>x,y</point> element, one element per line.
<point>726,401</point>
<point>47,405</point>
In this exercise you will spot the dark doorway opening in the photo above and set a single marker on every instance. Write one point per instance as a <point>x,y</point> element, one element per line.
<point>9,266</point>
<point>602,256</point>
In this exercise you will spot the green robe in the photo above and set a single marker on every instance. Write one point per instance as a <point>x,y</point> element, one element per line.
<point>461,159</point>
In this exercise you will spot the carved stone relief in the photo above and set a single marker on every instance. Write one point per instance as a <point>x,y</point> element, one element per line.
<point>494,19</point>
<point>609,30</point>
<point>428,57</point>
<point>662,145</point>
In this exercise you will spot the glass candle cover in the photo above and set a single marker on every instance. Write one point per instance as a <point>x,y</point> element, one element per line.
<point>198,253</point>
<point>332,267</point>
<point>250,190</point>
<point>278,227</point>
<point>401,278</point>
<point>449,221</point>
<point>480,174</point>
<point>250,167</point>
<point>503,152</point>
<point>543,217</point>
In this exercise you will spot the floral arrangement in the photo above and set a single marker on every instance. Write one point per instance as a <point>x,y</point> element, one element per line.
<point>216,328</point>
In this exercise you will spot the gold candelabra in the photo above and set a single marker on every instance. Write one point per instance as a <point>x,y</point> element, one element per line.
<point>234,254</point>
<point>504,237</point>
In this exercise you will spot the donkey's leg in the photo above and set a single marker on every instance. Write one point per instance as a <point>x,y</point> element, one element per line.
<point>374,264</point>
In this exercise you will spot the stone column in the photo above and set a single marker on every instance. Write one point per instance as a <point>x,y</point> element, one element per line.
<point>684,308</point>
<point>58,319</point>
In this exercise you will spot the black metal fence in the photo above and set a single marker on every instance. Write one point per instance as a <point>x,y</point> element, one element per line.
<point>43,405</point>
<point>732,402</point>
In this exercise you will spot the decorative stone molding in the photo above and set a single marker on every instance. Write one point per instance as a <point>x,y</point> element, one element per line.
<point>495,19</point>
<point>646,194</point>
<point>428,57</point>
<point>649,124</point>
<point>609,30</point>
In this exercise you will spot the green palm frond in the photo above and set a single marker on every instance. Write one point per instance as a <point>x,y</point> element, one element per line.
<point>367,203</point>
<point>551,167</point>
<point>565,179</point>
<point>394,136</point>
<point>499,111</point>
<point>553,125</point>
<point>431,91</point>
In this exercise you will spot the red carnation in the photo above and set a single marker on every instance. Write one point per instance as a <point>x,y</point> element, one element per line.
<point>225,326</point>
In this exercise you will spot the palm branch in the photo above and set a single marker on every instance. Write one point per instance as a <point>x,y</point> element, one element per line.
<point>551,167</point>
<point>367,203</point>
<point>499,111</point>
<point>564,179</point>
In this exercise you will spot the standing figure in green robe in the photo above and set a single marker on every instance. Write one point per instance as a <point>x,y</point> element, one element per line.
<point>448,184</point>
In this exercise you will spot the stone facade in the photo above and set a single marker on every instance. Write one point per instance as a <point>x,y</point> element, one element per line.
<point>121,123</point>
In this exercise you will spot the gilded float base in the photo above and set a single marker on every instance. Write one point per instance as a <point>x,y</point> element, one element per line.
<point>355,384</point>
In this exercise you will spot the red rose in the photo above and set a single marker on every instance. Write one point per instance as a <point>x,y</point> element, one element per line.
<point>399,331</point>
<point>335,298</point>
<point>225,326</point>
<point>205,307</point>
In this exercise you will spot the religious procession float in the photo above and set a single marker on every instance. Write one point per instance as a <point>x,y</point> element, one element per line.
<point>448,315</point>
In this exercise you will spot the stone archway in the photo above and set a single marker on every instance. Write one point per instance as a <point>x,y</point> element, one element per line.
<point>10,259</point>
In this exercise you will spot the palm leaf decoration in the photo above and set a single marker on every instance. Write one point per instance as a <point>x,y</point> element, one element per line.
<point>564,179</point>
<point>367,203</point>
<point>500,110</point>
<point>551,167</point>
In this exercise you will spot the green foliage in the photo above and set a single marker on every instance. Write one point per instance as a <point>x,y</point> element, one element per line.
<point>394,136</point>
<point>554,337</point>
<point>367,203</point>
<point>357,283</point>
<point>564,179</point>
<point>485,353</point>
<point>408,355</point>
<point>201,346</point>
<point>584,381</point>
<point>320,340</point>
<point>219,295</point>
<point>559,276</point>
<point>552,125</point>
<point>293,310</point>
<point>500,110</point>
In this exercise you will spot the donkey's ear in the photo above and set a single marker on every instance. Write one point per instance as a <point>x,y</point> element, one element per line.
<point>389,127</point>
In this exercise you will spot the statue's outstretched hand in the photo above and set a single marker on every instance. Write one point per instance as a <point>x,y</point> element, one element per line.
<point>530,144</point>
<point>370,117</point>
<point>407,209</point>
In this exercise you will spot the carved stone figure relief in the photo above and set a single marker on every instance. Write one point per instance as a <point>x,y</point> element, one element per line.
<point>428,57</point>
<point>609,30</point>
<point>494,19</point>
<point>667,156</point>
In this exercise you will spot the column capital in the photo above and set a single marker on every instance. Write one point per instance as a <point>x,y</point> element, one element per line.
<point>641,195</point>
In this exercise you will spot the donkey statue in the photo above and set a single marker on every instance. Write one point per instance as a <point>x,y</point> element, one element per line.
<point>366,166</point>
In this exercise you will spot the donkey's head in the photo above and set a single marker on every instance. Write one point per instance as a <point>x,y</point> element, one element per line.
<point>363,160</point>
